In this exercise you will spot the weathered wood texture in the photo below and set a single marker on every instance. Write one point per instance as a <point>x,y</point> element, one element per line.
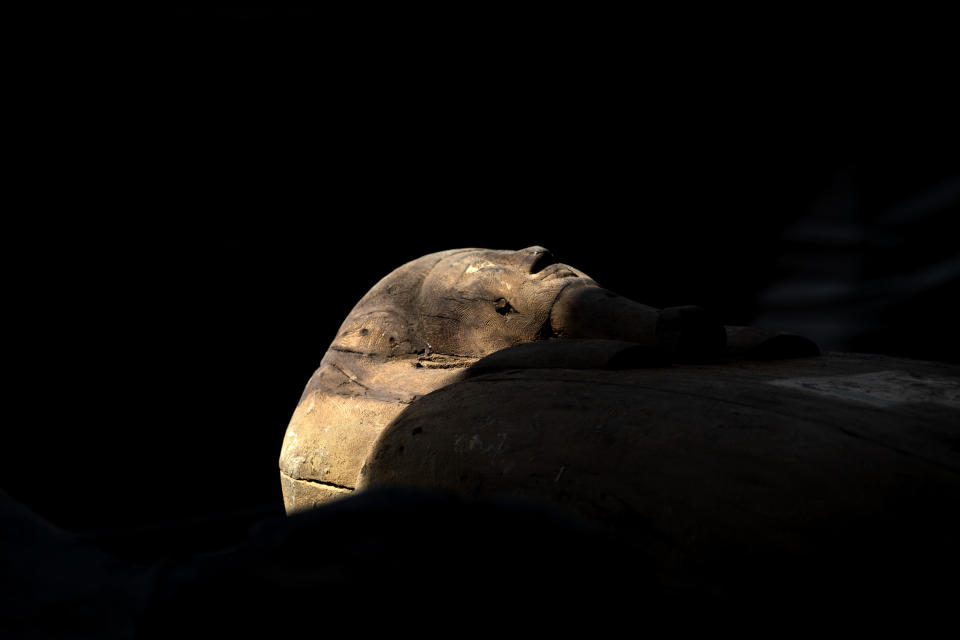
<point>721,472</point>
<point>735,458</point>
<point>419,327</point>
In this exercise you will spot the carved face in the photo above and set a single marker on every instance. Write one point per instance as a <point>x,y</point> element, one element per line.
<point>465,302</point>
<point>480,301</point>
<point>461,305</point>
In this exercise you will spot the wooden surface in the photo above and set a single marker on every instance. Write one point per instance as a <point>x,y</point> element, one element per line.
<point>428,319</point>
<point>723,473</point>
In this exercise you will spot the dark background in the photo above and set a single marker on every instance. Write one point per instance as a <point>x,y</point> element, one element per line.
<point>199,198</point>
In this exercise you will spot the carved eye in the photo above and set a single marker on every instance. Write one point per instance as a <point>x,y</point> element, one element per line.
<point>503,307</point>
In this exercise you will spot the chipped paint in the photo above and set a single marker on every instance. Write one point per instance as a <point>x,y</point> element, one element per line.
<point>476,266</point>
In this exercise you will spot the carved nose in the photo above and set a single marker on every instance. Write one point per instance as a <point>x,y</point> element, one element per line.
<point>536,257</point>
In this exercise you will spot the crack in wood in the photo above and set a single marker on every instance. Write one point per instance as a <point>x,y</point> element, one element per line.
<point>328,485</point>
<point>348,375</point>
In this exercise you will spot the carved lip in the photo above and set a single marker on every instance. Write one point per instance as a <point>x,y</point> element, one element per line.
<point>557,270</point>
